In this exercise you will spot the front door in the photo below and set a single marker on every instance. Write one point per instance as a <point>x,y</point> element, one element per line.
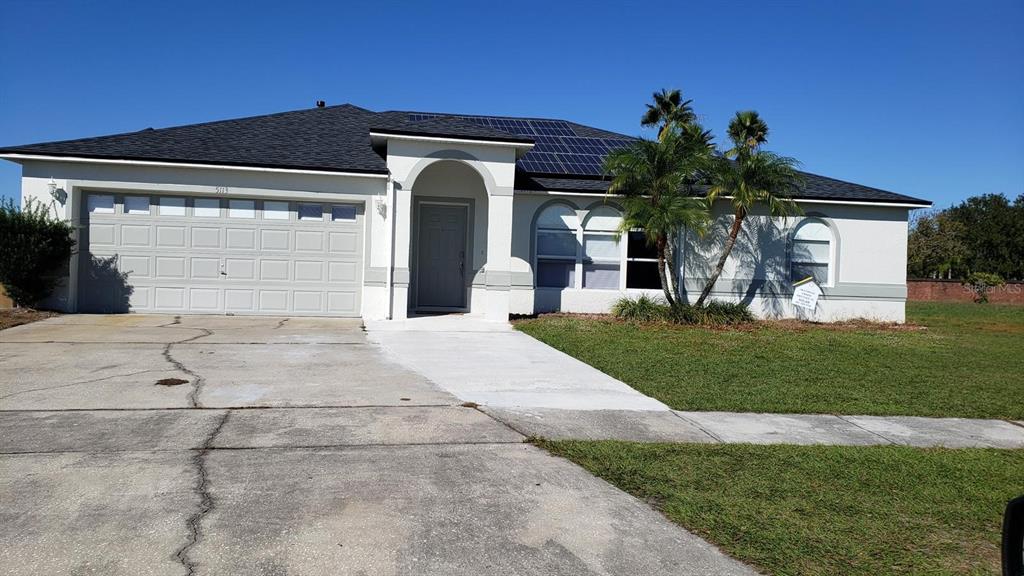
<point>441,260</point>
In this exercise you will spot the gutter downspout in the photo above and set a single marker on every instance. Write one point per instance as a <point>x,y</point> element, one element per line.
<point>390,215</point>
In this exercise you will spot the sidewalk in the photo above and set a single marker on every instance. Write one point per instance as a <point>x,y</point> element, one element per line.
<point>753,428</point>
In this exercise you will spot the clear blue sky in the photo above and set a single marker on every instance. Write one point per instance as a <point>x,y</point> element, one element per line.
<point>922,98</point>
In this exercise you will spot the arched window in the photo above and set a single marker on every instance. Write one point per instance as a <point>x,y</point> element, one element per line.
<point>557,247</point>
<point>812,254</point>
<point>602,252</point>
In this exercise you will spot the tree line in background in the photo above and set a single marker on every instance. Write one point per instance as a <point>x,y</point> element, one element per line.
<point>982,235</point>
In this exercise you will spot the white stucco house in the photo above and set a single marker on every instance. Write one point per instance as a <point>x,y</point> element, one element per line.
<point>344,211</point>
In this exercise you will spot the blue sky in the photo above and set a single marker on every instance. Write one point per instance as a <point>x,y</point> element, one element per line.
<point>922,98</point>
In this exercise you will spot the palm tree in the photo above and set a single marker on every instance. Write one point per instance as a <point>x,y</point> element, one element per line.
<point>749,176</point>
<point>668,110</point>
<point>655,179</point>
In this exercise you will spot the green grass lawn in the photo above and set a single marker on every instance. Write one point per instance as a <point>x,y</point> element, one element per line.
<point>823,510</point>
<point>967,360</point>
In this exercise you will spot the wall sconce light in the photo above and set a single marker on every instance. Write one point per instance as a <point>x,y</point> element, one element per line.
<point>58,194</point>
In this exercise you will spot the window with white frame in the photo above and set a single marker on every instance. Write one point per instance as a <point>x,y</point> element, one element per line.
<point>641,262</point>
<point>811,256</point>
<point>557,247</point>
<point>602,253</point>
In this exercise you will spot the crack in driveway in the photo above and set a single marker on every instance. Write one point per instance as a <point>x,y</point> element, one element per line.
<point>197,380</point>
<point>206,503</point>
<point>19,392</point>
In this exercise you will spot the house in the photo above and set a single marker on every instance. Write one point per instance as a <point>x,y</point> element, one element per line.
<point>344,211</point>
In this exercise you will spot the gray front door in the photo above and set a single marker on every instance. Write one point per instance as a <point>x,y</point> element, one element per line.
<point>441,259</point>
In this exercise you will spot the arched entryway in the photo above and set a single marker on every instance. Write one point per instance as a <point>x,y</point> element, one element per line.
<point>449,239</point>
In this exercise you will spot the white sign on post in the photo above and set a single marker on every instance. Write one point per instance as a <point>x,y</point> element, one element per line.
<point>805,294</point>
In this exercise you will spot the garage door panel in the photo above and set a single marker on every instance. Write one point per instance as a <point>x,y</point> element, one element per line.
<point>203,237</point>
<point>205,268</point>
<point>344,242</point>
<point>241,239</point>
<point>141,297</point>
<point>239,300</point>
<point>309,241</point>
<point>308,271</point>
<point>204,299</point>
<point>342,272</point>
<point>271,270</point>
<point>102,235</point>
<point>273,301</point>
<point>274,240</point>
<point>170,236</point>
<point>169,298</point>
<point>343,303</point>
<point>222,262</point>
<point>135,235</point>
<point>172,267</point>
<point>307,301</point>
<point>240,268</point>
<point>137,266</point>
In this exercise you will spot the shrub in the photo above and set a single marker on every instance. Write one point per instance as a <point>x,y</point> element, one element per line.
<point>981,283</point>
<point>34,247</point>
<point>711,314</point>
<point>642,309</point>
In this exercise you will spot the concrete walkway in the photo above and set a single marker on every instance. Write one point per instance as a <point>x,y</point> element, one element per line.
<point>489,363</point>
<point>540,391</point>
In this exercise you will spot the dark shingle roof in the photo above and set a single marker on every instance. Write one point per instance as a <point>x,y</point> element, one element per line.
<point>815,188</point>
<point>337,138</point>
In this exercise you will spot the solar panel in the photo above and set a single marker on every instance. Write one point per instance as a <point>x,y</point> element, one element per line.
<point>557,148</point>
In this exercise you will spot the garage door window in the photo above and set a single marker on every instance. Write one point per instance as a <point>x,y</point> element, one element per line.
<point>275,210</point>
<point>136,205</point>
<point>241,209</point>
<point>344,212</point>
<point>172,206</point>
<point>207,208</point>
<point>101,204</point>
<point>311,212</point>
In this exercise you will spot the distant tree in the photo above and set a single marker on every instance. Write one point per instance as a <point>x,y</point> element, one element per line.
<point>935,246</point>
<point>992,230</point>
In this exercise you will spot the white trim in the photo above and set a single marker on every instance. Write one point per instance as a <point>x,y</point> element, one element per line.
<point>452,139</point>
<point>797,200</point>
<point>43,157</point>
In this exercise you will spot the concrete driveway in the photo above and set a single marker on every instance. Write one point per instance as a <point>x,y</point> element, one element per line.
<point>229,445</point>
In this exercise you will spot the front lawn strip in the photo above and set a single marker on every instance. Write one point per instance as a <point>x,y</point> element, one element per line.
<point>817,510</point>
<point>955,360</point>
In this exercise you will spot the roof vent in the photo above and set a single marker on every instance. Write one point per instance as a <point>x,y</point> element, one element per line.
<point>320,103</point>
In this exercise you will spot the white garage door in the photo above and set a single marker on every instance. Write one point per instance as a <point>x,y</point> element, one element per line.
<point>217,255</point>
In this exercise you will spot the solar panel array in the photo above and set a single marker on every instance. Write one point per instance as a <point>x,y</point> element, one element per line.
<point>557,149</point>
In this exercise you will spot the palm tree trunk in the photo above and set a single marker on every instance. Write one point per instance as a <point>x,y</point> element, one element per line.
<point>673,271</point>
<point>734,233</point>
<point>661,272</point>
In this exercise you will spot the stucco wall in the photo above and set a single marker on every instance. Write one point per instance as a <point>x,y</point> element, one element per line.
<point>869,279</point>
